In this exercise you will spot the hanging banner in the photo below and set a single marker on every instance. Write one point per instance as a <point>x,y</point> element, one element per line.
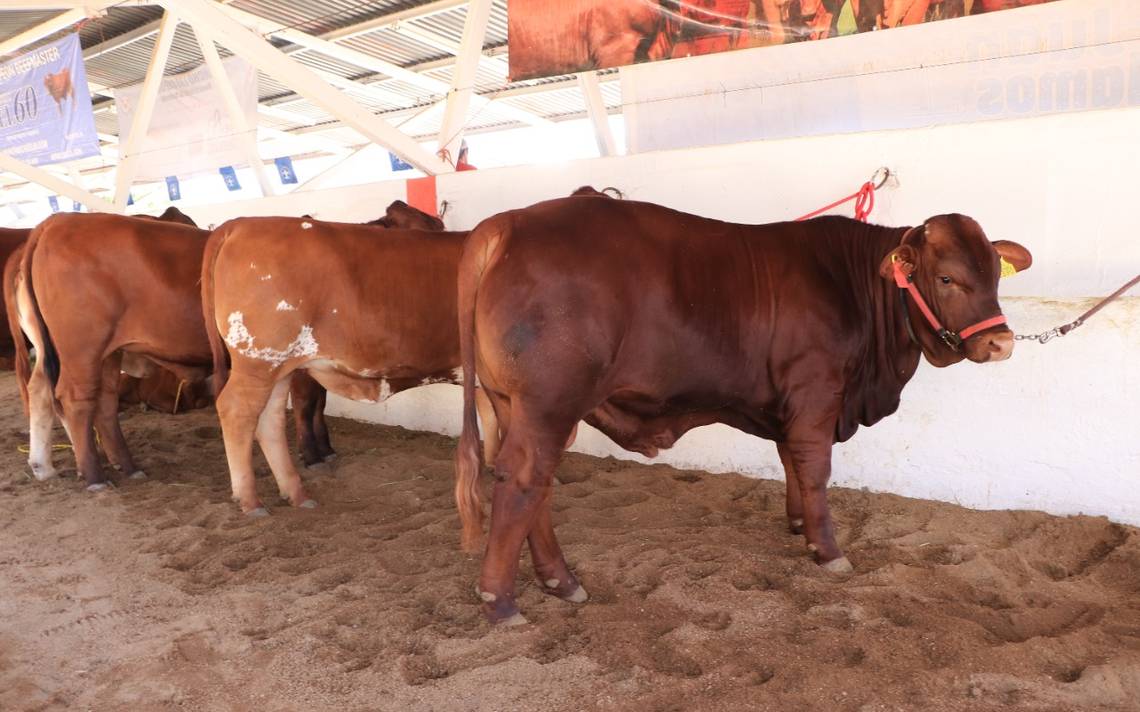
<point>45,108</point>
<point>229,175</point>
<point>551,37</point>
<point>190,130</point>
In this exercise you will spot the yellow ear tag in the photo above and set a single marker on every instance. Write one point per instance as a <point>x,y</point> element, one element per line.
<point>1007,268</point>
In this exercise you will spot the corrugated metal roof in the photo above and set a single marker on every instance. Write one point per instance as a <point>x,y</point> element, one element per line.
<point>397,100</point>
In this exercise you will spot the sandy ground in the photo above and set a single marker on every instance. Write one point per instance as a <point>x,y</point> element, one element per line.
<point>159,595</point>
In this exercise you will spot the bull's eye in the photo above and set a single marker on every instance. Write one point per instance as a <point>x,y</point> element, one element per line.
<point>945,279</point>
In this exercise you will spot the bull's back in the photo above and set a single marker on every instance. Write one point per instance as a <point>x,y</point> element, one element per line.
<point>637,291</point>
<point>357,289</point>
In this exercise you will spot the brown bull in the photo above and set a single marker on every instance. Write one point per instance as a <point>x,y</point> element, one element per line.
<point>381,319</point>
<point>647,322</point>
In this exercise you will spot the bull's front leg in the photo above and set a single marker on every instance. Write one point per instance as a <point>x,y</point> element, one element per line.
<point>810,456</point>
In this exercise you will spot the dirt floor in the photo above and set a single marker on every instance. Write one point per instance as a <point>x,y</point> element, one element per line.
<point>159,595</point>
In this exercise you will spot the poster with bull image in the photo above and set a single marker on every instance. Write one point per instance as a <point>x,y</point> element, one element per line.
<point>551,37</point>
<point>45,109</point>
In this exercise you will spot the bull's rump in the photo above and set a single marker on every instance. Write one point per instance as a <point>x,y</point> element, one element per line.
<point>372,299</point>
<point>127,282</point>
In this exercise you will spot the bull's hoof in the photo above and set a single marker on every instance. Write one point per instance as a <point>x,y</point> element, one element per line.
<point>257,513</point>
<point>99,487</point>
<point>512,621</point>
<point>838,566</point>
<point>137,475</point>
<point>42,473</point>
<point>796,526</point>
<point>330,457</point>
<point>308,504</point>
<point>577,594</point>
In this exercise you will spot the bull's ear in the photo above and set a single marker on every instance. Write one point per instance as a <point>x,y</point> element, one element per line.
<point>1014,257</point>
<point>905,255</point>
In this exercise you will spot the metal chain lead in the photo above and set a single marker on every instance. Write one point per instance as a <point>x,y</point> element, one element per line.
<point>1046,336</point>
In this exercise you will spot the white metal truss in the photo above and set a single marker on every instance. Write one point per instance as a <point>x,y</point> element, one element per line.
<point>245,34</point>
<point>463,79</point>
<point>208,18</point>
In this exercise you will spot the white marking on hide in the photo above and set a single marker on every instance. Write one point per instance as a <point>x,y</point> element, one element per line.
<point>306,225</point>
<point>334,311</point>
<point>266,276</point>
<point>457,374</point>
<point>385,391</point>
<point>252,265</point>
<point>239,339</point>
<point>285,306</point>
<point>368,373</point>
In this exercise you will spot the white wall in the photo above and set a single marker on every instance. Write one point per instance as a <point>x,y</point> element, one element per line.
<point>1055,428</point>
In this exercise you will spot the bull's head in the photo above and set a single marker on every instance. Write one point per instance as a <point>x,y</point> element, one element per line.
<point>955,270</point>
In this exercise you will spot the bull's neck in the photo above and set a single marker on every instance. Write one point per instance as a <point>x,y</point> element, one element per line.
<point>890,349</point>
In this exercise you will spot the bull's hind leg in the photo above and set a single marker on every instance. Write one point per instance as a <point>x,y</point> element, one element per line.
<point>41,417</point>
<point>107,419</point>
<point>524,473</point>
<point>309,419</point>
<point>79,398</point>
<point>321,428</point>
<point>271,437</point>
<point>240,405</point>
<point>794,502</point>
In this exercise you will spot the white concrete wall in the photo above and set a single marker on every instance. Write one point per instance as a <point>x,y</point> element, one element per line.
<point>1054,428</point>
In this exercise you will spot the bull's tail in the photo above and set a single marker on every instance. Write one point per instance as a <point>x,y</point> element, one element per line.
<point>217,347</point>
<point>45,351</point>
<point>23,362</point>
<point>477,254</point>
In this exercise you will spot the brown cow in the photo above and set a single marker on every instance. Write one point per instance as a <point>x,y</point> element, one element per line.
<point>647,322</point>
<point>84,302</point>
<point>11,240</point>
<point>149,305</point>
<point>379,321</point>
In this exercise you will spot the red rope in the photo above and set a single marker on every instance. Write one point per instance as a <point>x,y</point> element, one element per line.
<point>864,203</point>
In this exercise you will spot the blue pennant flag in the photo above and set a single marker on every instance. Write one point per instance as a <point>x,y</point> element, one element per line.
<point>398,164</point>
<point>172,188</point>
<point>53,201</point>
<point>130,199</point>
<point>76,206</point>
<point>285,170</point>
<point>230,176</point>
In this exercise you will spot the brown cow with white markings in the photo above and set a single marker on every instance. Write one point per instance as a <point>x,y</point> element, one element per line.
<point>381,319</point>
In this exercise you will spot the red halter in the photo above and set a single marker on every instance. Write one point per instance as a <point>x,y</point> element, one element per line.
<point>952,339</point>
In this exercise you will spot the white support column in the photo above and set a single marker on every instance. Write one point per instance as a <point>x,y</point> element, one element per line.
<point>233,107</point>
<point>463,78</point>
<point>596,108</point>
<point>209,18</point>
<point>140,123</point>
<point>53,182</point>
